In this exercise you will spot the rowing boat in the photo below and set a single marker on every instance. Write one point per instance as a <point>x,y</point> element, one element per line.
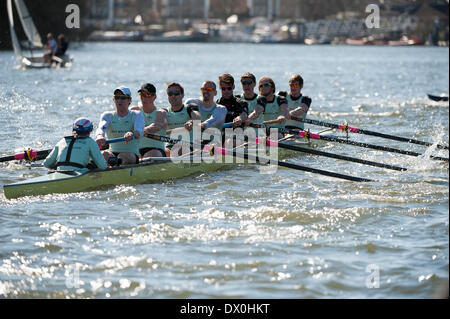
<point>151,170</point>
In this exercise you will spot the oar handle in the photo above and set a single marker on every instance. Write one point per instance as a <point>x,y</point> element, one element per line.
<point>271,122</point>
<point>117,140</point>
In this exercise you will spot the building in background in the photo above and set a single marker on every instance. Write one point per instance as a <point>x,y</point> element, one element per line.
<point>277,20</point>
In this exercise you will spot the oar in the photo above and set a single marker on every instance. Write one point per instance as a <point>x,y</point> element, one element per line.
<point>234,153</point>
<point>27,154</point>
<point>437,98</point>
<point>331,155</point>
<point>346,128</point>
<point>180,129</point>
<point>219,150</point>
<point>33,155</point>
<point>307,135</point>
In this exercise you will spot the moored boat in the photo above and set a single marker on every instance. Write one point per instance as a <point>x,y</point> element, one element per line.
<point>35,61</point>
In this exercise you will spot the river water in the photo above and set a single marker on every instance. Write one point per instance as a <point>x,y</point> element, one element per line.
<point>235,233</point>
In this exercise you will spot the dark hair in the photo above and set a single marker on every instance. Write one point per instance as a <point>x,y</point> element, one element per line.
<point>267,79</point>
<point>175,84</point>
<point>248,75</point>
<point>210,82</point>
<point>226,78</point>
<point>296,78</point>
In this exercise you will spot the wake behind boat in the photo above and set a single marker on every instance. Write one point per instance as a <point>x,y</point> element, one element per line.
<point>34,61</point>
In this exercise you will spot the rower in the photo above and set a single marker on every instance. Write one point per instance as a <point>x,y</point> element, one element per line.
<point>276,105</point>
<point>256,104</point>
<point>211,114</point>
<point>155,122</point>
<point>122,122</point>
<point>237,108</point>
<point>178,115</point>
<point>298,104</point>
<point>73,153</point>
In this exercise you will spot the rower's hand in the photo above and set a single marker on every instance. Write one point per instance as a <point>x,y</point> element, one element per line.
<point>237,121</point>
<point>101,142</point>
<point>189,125</point>
<point>281,119</point>
<point>148,130</point>
<point>128,137</point>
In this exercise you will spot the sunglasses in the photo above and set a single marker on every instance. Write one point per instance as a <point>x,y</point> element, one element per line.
<point>121,97</point>
<point>226,89</point>
<point>247,82</point>
<point>207,89</point>
<point>146,95</point>
<point>294,85</point>
<point>264,85</point>
<point>173,93</point>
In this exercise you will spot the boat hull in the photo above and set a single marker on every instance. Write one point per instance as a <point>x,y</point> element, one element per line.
<point>151,171</point>
<point>70,182</point>
<point>39,63</point>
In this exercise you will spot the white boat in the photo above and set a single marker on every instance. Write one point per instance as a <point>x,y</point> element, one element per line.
<point>35,61</point>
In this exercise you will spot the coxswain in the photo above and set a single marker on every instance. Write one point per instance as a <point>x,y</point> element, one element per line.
<point>77,152</point>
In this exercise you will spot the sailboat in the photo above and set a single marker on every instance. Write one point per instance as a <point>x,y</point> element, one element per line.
<point>34,41</point>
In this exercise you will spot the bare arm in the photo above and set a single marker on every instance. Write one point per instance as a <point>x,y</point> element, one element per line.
<point>255,114</point>
<point>300,110</point>
<point>284,113</point>
<point>159,124</point>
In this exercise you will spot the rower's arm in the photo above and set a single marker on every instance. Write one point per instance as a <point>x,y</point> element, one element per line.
<point>256,113</point>
<point>302,108</point>
<point>285,111</point>
<point>159,124</point>
<point>216,119</point>
<point>139,124</point>
<point>97,156</point>
<point>52,158</point>
<point>244,116</point>
<point>105,119</point>
<point>195,115</point>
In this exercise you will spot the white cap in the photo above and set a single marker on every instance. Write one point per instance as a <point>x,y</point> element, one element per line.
<point>124,90</point>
